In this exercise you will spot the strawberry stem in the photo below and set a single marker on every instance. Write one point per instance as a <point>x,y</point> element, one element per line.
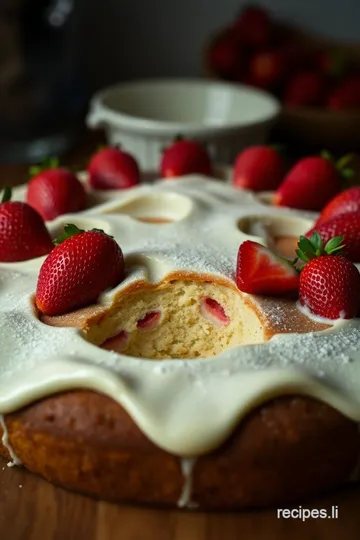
<point>69,230</point>
<point>48,163</point>
<point>6,194</point>
<point>312,247</point>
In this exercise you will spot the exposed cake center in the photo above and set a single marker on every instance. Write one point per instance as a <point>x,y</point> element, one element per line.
<point>179,319</point>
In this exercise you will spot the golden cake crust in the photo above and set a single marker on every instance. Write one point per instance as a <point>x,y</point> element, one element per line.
<point>286,450</point>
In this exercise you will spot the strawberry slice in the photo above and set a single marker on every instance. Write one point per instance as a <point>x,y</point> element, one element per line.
<point>259,271</point>
<point>116,343</point>
<point>214,312</point>
<point>149,321</point>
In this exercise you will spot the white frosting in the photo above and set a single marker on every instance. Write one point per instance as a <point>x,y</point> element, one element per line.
<point>187,407</point>
<point>5,442</point>
<point>187,468</point>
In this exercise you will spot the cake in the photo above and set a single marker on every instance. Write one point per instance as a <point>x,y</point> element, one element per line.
<point>176,388</point>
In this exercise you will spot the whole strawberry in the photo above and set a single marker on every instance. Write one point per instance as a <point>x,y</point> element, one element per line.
<point>267,68</point>
<point>225,57</point>
<point>346,95</point>
<point>345,225</point>
<point>253,27</point>
<point>346,202</point>
<point>78,270</point>
<point>329,283</point>
<point>112,168</point>
<point>305,88</point>
<point>309,185</point>
<point>55,191</point>
<point>259,271</point>
<point>332,62</point>
<point>259,168</point>
<point>23,234</point>
<point>183,157</point>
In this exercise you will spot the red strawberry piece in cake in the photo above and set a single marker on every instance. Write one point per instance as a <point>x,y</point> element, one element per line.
<point>112,168</point>
<point>329,282</point>
<point>310,184</point>
<point>23,234</point>
<point>345,225</point>
<point>183,157</point>
<point>149,321</point>
<point>78,270</point>
<point>212,310</point>
<point>116,343</point>
<point>259,168</point>
<point>347,201</point>
<point>260,271</point>
<point>55,191</point>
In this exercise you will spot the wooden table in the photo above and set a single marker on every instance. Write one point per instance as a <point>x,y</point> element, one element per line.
<point>32,509</point>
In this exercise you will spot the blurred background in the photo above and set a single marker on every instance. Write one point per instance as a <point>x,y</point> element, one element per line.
<point>54,54</point>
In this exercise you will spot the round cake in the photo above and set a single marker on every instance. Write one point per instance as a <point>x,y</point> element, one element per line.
<point>176,388</point>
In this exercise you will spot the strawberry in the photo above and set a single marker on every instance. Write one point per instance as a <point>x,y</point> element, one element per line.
<point>329,283</point>
<point>185,157</point>
<point>345,225</point>
<point>253,27</point>
<point>259,271</point>
<point>266,68</point>
<point>112,168</point>
<point>304,88</point>
<point>225,57</point>
<point>309,185</point>
<point>347,201</point>
<point>78,270</point>
<point>23,234</point>
<point>331,62</point>
<point>346,95</point>
<point>258,168</point>
<point>55,191</point>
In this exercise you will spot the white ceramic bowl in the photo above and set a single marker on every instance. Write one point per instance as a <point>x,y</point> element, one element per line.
<point>145,116</point>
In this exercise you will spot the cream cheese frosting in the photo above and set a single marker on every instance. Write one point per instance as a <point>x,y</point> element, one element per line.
<point>187,407</point>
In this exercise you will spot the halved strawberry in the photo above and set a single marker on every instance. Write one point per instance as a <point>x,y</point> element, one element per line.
<point>259,271</point>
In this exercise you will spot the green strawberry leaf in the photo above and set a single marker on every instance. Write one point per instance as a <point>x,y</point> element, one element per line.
<point>315,240</point>
<point>302,256</point>
<point>48,163</point>
<point>6,194</point>
<point>348,173</point>
<point>327,155</point>
<point>69,230</point>
<point>334,245</point>
<point>344,161</point>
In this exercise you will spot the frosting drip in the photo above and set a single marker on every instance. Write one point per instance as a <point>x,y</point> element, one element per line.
<point>5,442</point>
<point>187,467</point>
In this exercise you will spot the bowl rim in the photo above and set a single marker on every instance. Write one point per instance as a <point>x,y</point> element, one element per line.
<point>101,113</point>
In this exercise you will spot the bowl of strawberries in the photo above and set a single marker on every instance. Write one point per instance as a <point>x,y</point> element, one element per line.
<point>316,79</point>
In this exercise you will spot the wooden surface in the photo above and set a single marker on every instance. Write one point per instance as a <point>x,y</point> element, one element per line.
<point>33,509</point>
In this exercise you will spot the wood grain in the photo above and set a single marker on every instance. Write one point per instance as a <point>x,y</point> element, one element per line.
<point>32,509</point>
